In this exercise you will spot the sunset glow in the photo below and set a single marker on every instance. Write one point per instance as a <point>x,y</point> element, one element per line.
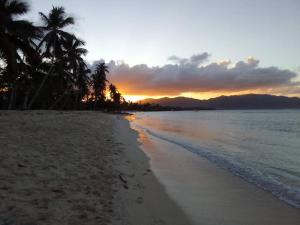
<point>199,77</point>
<point>208,95</point>
<point>137,98</point>
<point>191,58</point>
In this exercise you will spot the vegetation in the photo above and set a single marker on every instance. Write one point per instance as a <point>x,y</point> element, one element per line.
<point>43,67</point>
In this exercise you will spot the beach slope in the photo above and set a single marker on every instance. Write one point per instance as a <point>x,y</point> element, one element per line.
<point>77,168</point>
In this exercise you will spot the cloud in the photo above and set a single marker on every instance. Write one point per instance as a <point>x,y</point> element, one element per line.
<point>195,60</point>
<point>191,75</point>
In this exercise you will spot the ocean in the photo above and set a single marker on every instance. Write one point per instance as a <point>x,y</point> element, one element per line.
<point>259,146</point>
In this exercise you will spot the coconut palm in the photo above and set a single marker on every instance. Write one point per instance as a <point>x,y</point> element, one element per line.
<point>43,67</point>
<point>54,25</point>
<point>115,96</point>
<point>16,39</point>
<point>73,52</point>
<point>99,84</point>
<point>74,49</point>
<point>34,70</point>
<point>52,43</point>
<point>82,84</point>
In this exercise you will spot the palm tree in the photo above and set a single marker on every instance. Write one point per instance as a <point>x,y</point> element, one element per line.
<point>74,48</point>
<point>115,96</point>
<point>73,52</point>
<point>44,66</point>
<point>53,25</point>
<point>73,56</point>
<point>15,36</point>
<point>99,84</point>
<point>34,70</point>
<point>82,84</point>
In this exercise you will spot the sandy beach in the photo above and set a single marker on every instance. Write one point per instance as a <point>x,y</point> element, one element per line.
<point>77,168</point>
<point>74,168</point>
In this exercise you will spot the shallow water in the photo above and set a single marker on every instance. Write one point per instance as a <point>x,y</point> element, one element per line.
<point>261,146</point>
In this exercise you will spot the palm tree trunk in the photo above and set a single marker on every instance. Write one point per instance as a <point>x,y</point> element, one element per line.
<point>12,98</point>
<point>26,99</point>
<point>78,99</point>
<point>37,93</point>
<point>12,70</point>
<point>59,99</point>
<point>67,91</point>
<point>95,102</point>
<point>67,99</point>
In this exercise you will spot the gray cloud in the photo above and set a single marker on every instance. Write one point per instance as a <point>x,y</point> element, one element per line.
<point>190,75</point>
<point>195,60</point>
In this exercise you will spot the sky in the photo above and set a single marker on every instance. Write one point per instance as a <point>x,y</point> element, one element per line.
<point>246,45</point>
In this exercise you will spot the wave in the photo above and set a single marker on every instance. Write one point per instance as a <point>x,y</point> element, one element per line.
<point>284,192</point>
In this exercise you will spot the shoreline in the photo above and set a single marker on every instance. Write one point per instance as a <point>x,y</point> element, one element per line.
<point>143,198</point>
<point>209,194</point>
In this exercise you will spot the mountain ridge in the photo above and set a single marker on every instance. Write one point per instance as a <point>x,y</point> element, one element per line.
<point>248,101</point>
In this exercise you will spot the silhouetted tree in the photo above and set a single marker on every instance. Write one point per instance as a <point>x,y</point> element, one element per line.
<point>115,96</point>
<point>16,41</point>
<point>54,25</point>
<point>82,84</point>
<point>43,67</point>
<point>73,52</point>
<point>99,84</point>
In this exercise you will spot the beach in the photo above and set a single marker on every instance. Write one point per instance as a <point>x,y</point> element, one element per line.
<point>76,168</point>
<point>149,112</point>
<point>93,168</point>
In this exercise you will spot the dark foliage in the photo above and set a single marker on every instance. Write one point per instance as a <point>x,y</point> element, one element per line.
<point>42,67</point>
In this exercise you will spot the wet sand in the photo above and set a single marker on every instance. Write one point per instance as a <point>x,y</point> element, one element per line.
<point>142,200</point>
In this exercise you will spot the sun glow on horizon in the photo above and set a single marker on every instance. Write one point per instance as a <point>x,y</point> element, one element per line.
<point>205,95</point>
<point>195,95</point>
<point>136,98</point>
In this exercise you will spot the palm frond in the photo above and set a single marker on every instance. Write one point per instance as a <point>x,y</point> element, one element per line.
<point>16,7</point>
<point>44,19</point>
<point>25,29</point>
<point>66,22</point>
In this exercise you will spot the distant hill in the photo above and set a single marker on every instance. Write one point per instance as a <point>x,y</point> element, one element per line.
<point>249,101</point>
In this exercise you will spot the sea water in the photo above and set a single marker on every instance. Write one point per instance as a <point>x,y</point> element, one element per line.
<point>260,146</point>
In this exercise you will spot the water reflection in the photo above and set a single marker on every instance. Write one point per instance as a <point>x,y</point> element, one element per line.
<point>248,143</point>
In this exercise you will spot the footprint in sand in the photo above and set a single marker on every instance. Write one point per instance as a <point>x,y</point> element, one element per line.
<point>160,222</point>
<point>139,187</point>
<point>139,200</point>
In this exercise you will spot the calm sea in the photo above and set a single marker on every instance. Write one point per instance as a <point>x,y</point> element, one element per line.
<point>260,146</point>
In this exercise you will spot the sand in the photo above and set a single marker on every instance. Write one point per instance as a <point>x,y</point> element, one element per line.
<point>145,202</point>
<point>77,168</point>
<point>72,168</point>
